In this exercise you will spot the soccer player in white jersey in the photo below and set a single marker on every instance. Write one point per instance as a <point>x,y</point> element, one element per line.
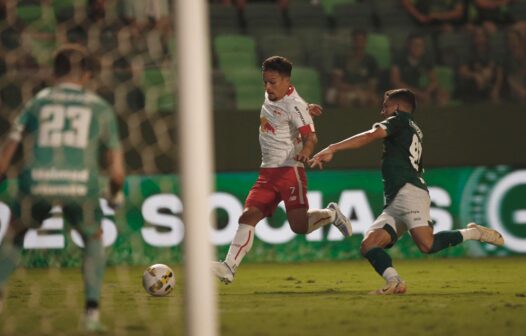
<point>287,138</point>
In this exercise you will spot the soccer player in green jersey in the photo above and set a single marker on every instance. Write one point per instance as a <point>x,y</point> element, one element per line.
<point>407,199</point>
<point>62,131</point>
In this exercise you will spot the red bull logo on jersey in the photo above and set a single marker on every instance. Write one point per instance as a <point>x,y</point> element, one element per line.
<point>266,127</point>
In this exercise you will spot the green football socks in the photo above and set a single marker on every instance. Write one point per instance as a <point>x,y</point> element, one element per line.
<point>379,259</point>
<point>93,268</point>
<point>445,239</point>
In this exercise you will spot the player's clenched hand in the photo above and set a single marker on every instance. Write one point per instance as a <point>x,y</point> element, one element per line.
<point>324,156</point>
<point>315,110</point>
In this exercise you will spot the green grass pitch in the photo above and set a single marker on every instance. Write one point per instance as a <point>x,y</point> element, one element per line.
<point>445,297</point>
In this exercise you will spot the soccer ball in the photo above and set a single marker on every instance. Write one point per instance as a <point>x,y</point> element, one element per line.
<point>158,280</point>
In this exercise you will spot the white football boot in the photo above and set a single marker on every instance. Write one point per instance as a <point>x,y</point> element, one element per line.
<point>223,272</point>
<point>393,286</point>
<point>487,235</point>
<point>341,221</point>
<point>92,322</point>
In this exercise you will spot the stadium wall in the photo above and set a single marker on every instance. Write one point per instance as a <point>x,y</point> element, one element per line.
<point>150,229</point>
<point>467,135</point>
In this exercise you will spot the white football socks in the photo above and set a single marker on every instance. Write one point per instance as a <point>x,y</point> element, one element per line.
<point>241,244</point>
<point>320,217</point>
<point>390,273</point>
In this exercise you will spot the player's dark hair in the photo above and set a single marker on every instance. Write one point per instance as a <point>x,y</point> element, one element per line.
<point>69,58</point>
<point>279,64</point>
<point>405,95</point>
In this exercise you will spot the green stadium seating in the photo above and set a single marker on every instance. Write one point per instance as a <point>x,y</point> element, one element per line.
<point>248,86</point>
<point>263,18</point>
<point>445,78</point>
<point>379,47</point>
<point>235,51</point>
<point>29,12</point>
<point>223,19</point>
<point>328,5</point>
<point>152,77</point>
<point>353,15</point>
<point>306,16</point>
<point>307,82</point>
<point>282,45</point>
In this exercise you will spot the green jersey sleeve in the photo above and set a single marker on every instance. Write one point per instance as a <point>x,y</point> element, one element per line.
<point>25,122</point>
<point>110,131</point>
<point>391,125</point>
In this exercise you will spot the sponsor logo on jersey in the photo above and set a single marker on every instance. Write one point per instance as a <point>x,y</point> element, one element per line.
<point>266,126</point>
<point>300,114</point>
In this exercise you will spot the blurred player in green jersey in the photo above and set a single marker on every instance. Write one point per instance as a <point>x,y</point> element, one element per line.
<point>62,130</point>
<point>407,202</point>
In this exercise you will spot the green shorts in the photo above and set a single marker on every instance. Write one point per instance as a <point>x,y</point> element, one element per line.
<point>83,214</point>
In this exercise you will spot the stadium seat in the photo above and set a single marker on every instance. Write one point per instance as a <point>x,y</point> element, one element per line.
<point>379,47</point>
<point>453,48</point>
<point>306,16</point>
<point>249,88</point>
<point>354,15</point>
<point>391,14</point>
<point>65,9</point>
<point>263,18</point>
<point>307,81</point>
<point>152,76</point>
<point>28,12</point>
<point>282,45</point>
<point>235,51</point>
<point>446,78</point>
<point>328,5</point>
<point>223,19</point>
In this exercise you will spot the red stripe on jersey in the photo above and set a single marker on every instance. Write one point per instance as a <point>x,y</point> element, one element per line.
<point>290,90</point>
<point>306,130</point>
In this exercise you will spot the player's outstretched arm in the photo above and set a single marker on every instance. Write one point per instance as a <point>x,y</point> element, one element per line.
<point>356,141</point>
<point>7,155</point>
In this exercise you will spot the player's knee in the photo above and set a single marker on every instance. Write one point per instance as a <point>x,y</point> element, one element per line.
<point>425,247</point>
<point>299,229</point>
<point>367,244</point>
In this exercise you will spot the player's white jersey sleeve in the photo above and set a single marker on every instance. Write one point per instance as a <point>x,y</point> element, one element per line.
<point>279,132</point>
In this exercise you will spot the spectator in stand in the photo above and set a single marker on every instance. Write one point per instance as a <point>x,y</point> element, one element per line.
<point>515,65</point>
<point>414,69</point>
<point>354,81</point>
<point>490,13</point>
<point>443,14</point>
<point>147,14</point>
<point>480,77</point>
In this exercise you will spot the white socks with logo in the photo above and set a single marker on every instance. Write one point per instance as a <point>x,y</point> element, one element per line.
<point>240,246</point>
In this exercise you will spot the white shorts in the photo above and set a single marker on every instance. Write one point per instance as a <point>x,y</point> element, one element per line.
<point>408,210</point>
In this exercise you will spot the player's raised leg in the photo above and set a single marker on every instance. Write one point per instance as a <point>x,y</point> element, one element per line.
<point>428,242</point>
<point>86,218</point>
<point>372,248</point>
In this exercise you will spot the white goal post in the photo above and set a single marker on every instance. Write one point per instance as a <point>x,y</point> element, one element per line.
<point>195,157</point>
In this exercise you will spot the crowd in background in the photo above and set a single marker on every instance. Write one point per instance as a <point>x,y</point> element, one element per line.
<point>129,37</point>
